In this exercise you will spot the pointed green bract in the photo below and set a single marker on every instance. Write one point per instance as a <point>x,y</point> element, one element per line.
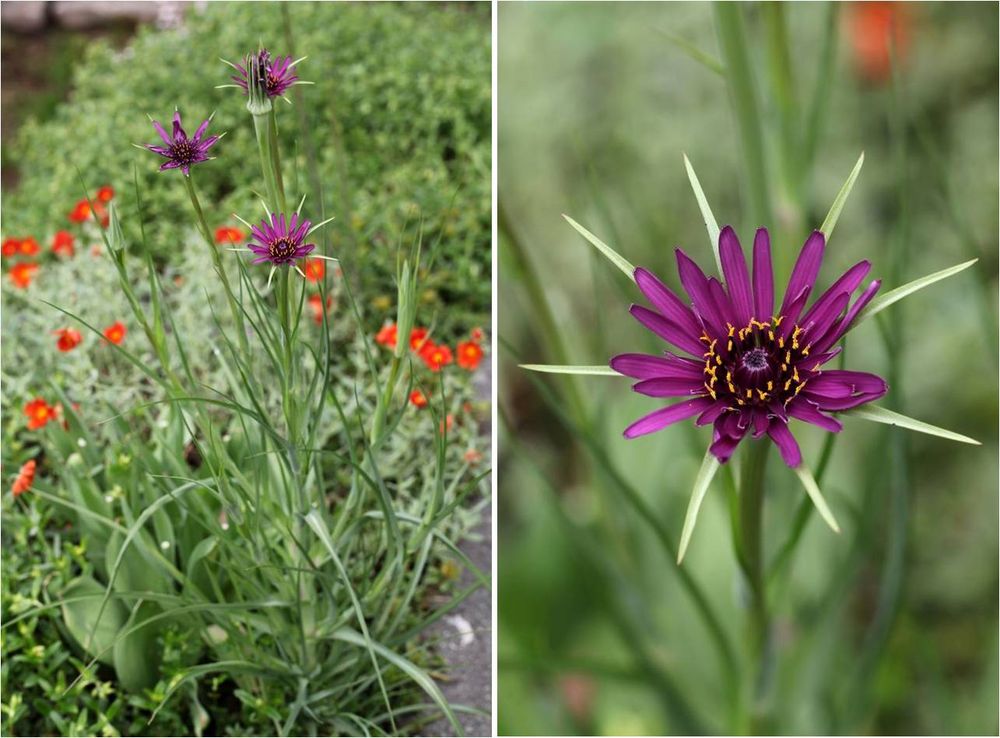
<point>709,466</point>
<point>882,415</point>
<point>838,204</point>
<point>812,489</point>
<point>881,303</point>
<point>706,212</point>
<point>599,370</point>
<point>617,259</point>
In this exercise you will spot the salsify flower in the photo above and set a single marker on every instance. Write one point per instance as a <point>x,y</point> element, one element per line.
<point>62,243</point>
<point>436,356</point>
<point>180,151</point>
<point>22,274</point>
<point>387,335</point>
<point>39,413</point>
<point>68,339</point>
<point>228,234</point>
<point>279,240</point>
<point>470,354</point>
<point>276,75</point>
<point>115,332</point>
<point>105,193</point>
<point>25,478</point>
<point>418,398</point>
<point>745,367</point>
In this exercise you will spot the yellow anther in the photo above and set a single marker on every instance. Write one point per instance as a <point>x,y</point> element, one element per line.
<point>795,374</point>
<point>749,394</point>
<point>805,351</point>
<point>732,329</point>
<point>732,388</point>
<point>770,334</point>
<point>788,384</point>
<point>763,395</point>
<point>718,359</point>
<point>729,346</point>
<point>770,385</point>
<point>777,321</point>
<point>788,357</point>
<point>781,342</point>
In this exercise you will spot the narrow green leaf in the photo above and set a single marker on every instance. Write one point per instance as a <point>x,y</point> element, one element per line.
<point>881,303</point>
<point>831,218</point>
<point>812,489</point>
<point>709,466</point>
<point>706,212</point>
<point>706,60</point>
<point>882,415</point>
<point>619,261</point>
<point>600,370</point>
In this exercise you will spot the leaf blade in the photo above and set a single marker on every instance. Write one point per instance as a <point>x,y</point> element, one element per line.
<point>838,204</point>
<point>878,414</point>
<point>893,296</point>
<point>812,489</point>
<point>706,211</point>
<point>613,256</point>
<point>709,466</point>
<point>598,370</point>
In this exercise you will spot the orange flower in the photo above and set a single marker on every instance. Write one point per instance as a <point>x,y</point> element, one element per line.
<point>387,335</point>
<point>39,413</point>
<point>418,398</point>
<point>316,304</point>
<point>62,243</point>
<point>116,332</point>
<point>314,270</point>
<point>22,274</point>
<point>28,247</point>
<point>477,334</point>
<point>469,355</point>
<point>447,424</point>
<point>472,457</point>
<point>80,212</point>
<point>435,356</point>
<point>25,477</point>
<point>10,246</point>
<point>102,214</point>
<point>95,250</point>
<point>228,234</point>
<point>69,339</point>
<point>105,193</point>
<point>875,28</point>
<point>418,337</point>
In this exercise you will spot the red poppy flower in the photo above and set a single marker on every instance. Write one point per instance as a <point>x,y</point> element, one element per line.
<point>105,193</point>
<point>418,337</point>
<point>228,234</point>
<point>387,335</point>
<point>10,246</point>
<point>116,332</point>
<point>435,356</point>
<point>80,212</point>
<point>316,305</point>
<point>469,355</point>
<point>62,243</point>
<point>69,339</point>
<point>314,269</point>
<point>39,413</point>
<point>22,274</point>
<point>25,478</point>
<point>477,334</point>
<point>28,247</point>
<point>874,29</point>
<point>418,398</point>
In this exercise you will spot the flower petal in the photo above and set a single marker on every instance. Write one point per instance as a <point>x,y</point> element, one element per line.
<point>664,300</point>
<point>786,443</point>
<point>806,411</point>
<point>734,269</point>
<point>667,330</point>
<point>845,324</point>
<point>696,285</point>
<point>163,134</point>
<point>804,274</point>
<point>660,419</point>
<point>763,276</point>
<point>669,387</point>
<point>848,282</point>
<point>645,366</point>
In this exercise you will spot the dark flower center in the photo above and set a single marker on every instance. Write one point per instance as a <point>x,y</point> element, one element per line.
<point>756,365</point>
<point>282,249</point>
<point>182,152</point>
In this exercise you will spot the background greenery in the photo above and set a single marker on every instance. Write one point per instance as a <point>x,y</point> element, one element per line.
<point>889,628</point>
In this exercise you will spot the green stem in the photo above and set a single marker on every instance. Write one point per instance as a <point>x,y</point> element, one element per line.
<point>751,535</point>
<point>262,130</point>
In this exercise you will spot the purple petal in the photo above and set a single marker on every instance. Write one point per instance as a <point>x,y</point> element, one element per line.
<point>788,326</point>
<point>669,387</point>
<point>831,404</point>
<point>169,165</point>
<point>844,383</point>
<point>723,443</point>
<point>806,411</point>
<point>163,134</point>
<point>820,323</point>
<point>261,260</point>
<point>201,129</point>
<point>644,366</point>
<point>804,274</point>
<point>668,331</point>
<point>786,443</point>
<point>161,150</point>
<point>723,305</point>
<point>177,126</point>
<point>734,268</point>
<point>696,285</point>
<point>848,282</point>
<point>208,143</point>
<point>761,421</point>
<point>305,249</point>
<point>763,277</point>
<point>664,300</point>
<point>712,414</point>
<point>834,334</point>
<point>660,419</point>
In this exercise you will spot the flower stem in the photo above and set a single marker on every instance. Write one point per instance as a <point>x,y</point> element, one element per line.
<point>266,152</point>
<point>751,538</point>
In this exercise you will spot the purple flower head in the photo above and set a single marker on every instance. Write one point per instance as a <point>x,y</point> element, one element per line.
<point>754,367</point>
<point>275,75</point>
<point>279,241</point>
<point>180,151</point>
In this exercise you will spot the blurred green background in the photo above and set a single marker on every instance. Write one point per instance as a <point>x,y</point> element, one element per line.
<point>889,628</point>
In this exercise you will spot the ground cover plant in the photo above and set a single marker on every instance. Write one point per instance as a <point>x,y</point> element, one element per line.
<point>236,494</point>
<point>694,579</point>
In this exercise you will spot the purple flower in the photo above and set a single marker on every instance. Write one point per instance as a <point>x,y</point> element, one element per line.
<point>181,151</point>
<point>275,76</point>
<point>755,368</point>
<point>280,242</point>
